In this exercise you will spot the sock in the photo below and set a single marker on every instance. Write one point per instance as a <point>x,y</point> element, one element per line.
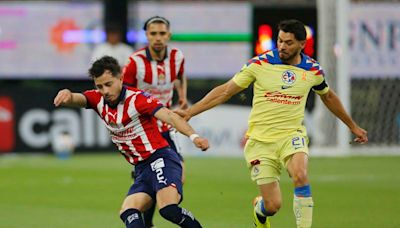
<point>260,210</point>
<point>179,216</point>
<point>132,218</point>
<point>148,216</point>
<point>303,206</point>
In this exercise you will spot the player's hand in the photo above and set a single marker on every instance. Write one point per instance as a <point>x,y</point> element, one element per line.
<point>63,97</point>
<point>183,103</point>
<point>361,135</point>
<point>183,113</point>
<point>201,143</point>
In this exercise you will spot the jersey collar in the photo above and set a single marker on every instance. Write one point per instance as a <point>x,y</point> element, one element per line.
<point>148,55</point>
<point>303,63</point>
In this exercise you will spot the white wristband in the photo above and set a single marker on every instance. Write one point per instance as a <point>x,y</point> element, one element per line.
<point>193,136</point>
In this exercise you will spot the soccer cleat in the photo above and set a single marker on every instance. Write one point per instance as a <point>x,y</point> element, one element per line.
<point>260,221</point>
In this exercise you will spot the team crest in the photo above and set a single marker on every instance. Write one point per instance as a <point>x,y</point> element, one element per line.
<point>113,123</point>
<point>161,79</point>
<point>255,171</point>
<point>289,77</point>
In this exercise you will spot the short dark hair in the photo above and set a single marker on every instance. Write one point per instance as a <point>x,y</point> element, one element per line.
<point>155,19</point>
<point>294,26</point>
<point>103,64</point>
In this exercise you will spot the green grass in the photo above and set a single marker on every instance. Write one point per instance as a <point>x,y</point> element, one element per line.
<point>87,190</point>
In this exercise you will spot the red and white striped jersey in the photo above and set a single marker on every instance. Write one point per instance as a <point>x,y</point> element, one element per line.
<point>155,77</point>
<point>132,126</point>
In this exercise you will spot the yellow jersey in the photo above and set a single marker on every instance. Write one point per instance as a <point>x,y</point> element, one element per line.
<point>280,94</point>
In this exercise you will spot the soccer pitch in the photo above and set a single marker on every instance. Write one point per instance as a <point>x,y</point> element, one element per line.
<point>87,191</point>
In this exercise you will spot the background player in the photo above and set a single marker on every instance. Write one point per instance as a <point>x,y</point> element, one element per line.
<point>113,46</point>
<point>158,69</point>
<point>129,113</point>
<point>282,79</point>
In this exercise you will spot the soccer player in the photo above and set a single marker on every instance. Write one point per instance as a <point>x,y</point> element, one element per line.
<point>282,79</point>
<point>113,46</point>
<point>130,116</point>
<point>158,69</point>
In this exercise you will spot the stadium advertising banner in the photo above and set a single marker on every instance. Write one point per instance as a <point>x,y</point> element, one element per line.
<point>224,126</point>
<point>375,40</point>
<point>59,36</point>
<point>216,42</point>
<point>32,124</point>
<point>47,39</point>
<point>29,122</point>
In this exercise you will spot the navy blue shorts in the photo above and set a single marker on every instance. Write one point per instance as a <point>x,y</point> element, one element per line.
<point>162,169</point>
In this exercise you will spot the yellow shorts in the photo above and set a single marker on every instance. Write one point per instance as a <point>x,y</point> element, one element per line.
<point>266,159</point>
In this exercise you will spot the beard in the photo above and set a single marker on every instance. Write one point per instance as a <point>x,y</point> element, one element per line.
<point>287,57</point>
<point>158,49</point>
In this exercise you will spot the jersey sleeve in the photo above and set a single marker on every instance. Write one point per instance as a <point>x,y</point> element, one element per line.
<point>92,98</point>
<point>245,76</point>
<point>180,61</point>
<point>146,104</point>
<point>129,73</point>
<point>320,85</point>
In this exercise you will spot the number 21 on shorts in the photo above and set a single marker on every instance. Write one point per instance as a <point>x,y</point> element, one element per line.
<point>298,142</point>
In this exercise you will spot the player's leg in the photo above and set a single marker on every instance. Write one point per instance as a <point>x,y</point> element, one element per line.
<point>265,170</point>
<point>267,204</point>
<point>302,203</point>
<point>140,197</point>
<point>149,213</point>
<point>168,199</point>
<point>171,138</point>
<point>132,208</point>
<point>295,157</point>
<point>148,216</point>
<point>167,173</point>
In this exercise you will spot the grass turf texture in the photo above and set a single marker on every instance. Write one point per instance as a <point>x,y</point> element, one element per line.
<point>87,191</point>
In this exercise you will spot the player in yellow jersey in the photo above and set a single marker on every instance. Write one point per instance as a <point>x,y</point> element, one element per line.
<point>282,79</point>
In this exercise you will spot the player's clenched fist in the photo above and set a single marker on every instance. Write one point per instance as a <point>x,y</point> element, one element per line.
<point>63,97</point>
<point>201,143</point>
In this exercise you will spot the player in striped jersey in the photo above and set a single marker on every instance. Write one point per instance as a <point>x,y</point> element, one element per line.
<point>130,116</point>
<point>282,79</point>
<point>158,69</point>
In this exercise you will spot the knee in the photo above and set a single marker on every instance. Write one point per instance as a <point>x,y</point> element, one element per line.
<point>171,213</point>
<point>272,206</point>
<point>300,177</point>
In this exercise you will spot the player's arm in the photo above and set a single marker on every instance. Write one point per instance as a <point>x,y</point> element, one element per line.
<point>182,126</point>
<point>216,96</point>
<point>333,103</point>
<point>181,87</point>
<point>66,98</point>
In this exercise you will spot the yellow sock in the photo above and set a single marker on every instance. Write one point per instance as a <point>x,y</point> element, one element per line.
<point>303,209</point>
